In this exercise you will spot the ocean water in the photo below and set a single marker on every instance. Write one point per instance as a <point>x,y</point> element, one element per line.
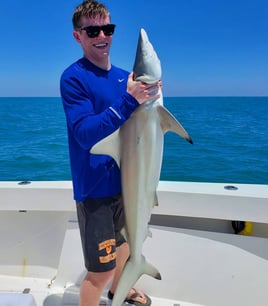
<point>230,137</point>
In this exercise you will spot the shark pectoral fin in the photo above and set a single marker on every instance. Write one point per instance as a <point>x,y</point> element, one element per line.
<point>169,123</point>
<point>109,145</point>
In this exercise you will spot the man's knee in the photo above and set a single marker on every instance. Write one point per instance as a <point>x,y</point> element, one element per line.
<point>99,279</point>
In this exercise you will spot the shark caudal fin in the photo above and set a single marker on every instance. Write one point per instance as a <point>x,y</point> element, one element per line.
<point>110,145</point>
<point>170,123</point>
<point>130,275</point>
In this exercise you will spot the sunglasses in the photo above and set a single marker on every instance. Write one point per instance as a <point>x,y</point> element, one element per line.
<point>94,31</point>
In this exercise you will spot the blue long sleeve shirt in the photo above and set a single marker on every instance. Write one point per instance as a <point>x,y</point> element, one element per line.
<point>96,104</point>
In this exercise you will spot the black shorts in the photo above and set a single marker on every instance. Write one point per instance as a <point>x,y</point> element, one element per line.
<point>100,222</point>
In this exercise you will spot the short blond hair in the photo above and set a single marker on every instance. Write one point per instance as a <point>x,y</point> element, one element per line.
<point>88,8</point>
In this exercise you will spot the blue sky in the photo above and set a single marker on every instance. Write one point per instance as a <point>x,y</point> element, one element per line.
<point>206,47</point>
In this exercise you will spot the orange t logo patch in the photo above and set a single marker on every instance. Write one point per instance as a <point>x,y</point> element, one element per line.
<point>107,245</point>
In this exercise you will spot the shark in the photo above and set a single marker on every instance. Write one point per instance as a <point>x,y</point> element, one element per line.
<point>137,147</point>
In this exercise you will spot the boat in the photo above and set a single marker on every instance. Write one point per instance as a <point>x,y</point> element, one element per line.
<point>203,262</point>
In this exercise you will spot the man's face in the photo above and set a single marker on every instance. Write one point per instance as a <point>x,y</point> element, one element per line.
<point>95,48</point>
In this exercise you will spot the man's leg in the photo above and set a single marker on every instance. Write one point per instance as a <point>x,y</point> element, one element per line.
<point>99,249</point>
<point>92,287</point>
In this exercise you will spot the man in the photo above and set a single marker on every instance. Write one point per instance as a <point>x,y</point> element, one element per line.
<point>98,98</point>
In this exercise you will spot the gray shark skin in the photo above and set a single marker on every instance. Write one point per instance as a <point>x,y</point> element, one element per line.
<point>137,148</point>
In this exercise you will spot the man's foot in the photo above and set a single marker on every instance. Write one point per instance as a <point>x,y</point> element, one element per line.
<point>135,297</point>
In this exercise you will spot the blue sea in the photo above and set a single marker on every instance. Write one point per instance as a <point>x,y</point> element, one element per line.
<point>230,136</point>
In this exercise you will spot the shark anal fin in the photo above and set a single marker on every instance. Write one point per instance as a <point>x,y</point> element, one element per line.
<point>124,233</point>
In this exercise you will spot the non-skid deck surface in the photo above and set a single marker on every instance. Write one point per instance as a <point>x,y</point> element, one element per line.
<point>71,296</point>
<point>39,294</point>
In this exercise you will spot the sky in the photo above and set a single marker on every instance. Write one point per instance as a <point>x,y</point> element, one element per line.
<point>206,47</point>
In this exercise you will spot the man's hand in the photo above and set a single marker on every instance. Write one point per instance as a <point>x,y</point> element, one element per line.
<point>143,92</point>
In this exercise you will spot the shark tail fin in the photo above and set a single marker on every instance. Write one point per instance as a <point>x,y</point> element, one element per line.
<point>170,123</point>
<point>131,273</point>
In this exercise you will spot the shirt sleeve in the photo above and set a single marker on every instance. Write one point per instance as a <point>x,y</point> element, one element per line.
<point>87,126</point>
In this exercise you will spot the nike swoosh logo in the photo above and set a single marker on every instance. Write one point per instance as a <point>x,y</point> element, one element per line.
<point>120,80</point>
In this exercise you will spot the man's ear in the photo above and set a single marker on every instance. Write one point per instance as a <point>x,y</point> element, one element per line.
<point>76,36</point>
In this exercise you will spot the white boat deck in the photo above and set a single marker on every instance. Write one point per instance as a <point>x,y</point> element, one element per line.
<point>41,249</point>
<point>199,268</point>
